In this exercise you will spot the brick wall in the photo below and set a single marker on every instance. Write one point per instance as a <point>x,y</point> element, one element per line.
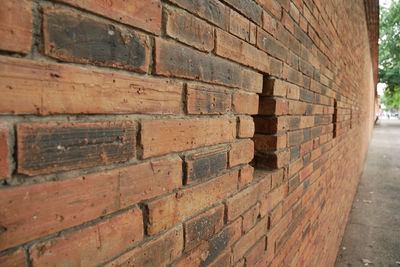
<point>189,133</point>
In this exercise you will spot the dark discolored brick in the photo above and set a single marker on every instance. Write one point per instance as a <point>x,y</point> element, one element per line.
<point>202,165</point>
<point>248,8</point>
<point>52,147</point>
<point>77,38</point>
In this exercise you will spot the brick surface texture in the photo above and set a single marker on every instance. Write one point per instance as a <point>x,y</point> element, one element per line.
<point>182,132</point>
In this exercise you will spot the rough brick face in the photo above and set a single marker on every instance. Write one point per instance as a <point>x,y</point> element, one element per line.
<point>16,21</point>
<point>45,148</point>
<point>180,132</point>
<point>145,15</point>
<point>76,38</point>
<point>161,137</point>
<point>4,152</point>
<point>94,244</point>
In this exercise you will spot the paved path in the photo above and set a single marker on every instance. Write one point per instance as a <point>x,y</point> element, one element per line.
<point>373,230</point>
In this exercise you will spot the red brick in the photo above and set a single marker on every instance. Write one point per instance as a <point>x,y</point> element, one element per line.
<point>246,176</point>
<point>297,108</point>
<point>253,33</point>
<point>239,26</point>
<point>275,215</point>
<point>190,30</point>
<point>156,252</point>
<point>291,75</point>
<point>222,261</point>
<point>203,165</point>
<point>167,211</point>
<point>160,137</point>
<point>294,13</point>
<point>73,37</point>
<point>269,142</point>
<point>273,198</point>
<point>245,126</point>
<point>75,201</point>
<point>277,177</point>
<point>14,259</point>
<point>274,87</point>
<point>16,22</point>
<point>251,81</point>
<point>241,152</point>
<point>210,10</point>
<point>269,24</point>
<point>288,22</point>
<point>250,217</point>
<point>255,253</point>
<point>223,240</point>
<point>293,92</point>
<point>203,227</point>
<point>91,245</point>
<point>193,257</point>
<point>274,48</point>
<point>306,172</point>
<point>273,7</point>
<point>274,160</point>
<point>245,103</point>
<point>149,179</point>
<point>4,152</point>
<point>249,8</point>
<point>271,124</point>
<point>51,147</point>
<point>233,48</point>
<point>273,106</point>
<point>207,100</point>
<point>240,202</point>
<point>250,238</point>
<point>145,15</point>
<point>62,89</point>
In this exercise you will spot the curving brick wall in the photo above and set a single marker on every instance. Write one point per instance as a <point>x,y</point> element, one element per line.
<point>181,132</point>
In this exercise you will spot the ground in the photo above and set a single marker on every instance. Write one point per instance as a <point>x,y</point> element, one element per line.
<point>372,236</point>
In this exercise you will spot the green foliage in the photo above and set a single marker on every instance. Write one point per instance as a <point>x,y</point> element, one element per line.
<point>391,99</point>
<point>389,54</point>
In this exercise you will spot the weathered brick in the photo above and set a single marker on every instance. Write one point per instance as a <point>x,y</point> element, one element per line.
<point>249,8</point>
<point>295,138</point>
<point>241,152</point>
<point>239,26</point>
<point>255,253</point>
<point>245,126</point>
<point>293,92</point>
<point>203,227</point>
<point>274,87</point>
<point>269,142</point>
<point>253,33</point>
<point>91,245</point>
<point>270,45</point>
<point>224,239</point>
<point>273,7</point>
<point>167,211</point>
<point>273,198</point>
<point>223,260</point>
<point>160,137</point>
<point>14,259</point>
<point>306,96</point>
<point>291,75</point>
<point>179,61</point>
<point>75,201</point>
<point>246,176</point>
<point>269,24</point>
<point>240,202</point>
<point>207,100</point>
<point>62,89</point>
<point>288,22</point>
<point>250,238</point>
<point>145,15</point>
<point>231,47</point>
<point>273,106</point>
<point>270,125</point>
<point>250,217</point>
<point>149,179</point>
<point>297,108</point>
<point>193,257</point>
<point>245,103</point>
<point>190,30</point>
<point>211,10</point>
<point>251,81</point>
<point>16,21</point>
<point>52,147</point>
<point>77,38</point>
<point>4,152</point>
<point>200,166</point>
<point>157,252</point>
<point>273,160</point>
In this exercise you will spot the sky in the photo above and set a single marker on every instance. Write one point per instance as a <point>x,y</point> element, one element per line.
<point>385,3</point>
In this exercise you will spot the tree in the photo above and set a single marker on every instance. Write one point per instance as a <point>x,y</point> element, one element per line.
<point>389,54</point>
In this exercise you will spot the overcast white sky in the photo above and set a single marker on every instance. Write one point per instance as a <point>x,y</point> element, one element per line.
<point>385,3</point>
